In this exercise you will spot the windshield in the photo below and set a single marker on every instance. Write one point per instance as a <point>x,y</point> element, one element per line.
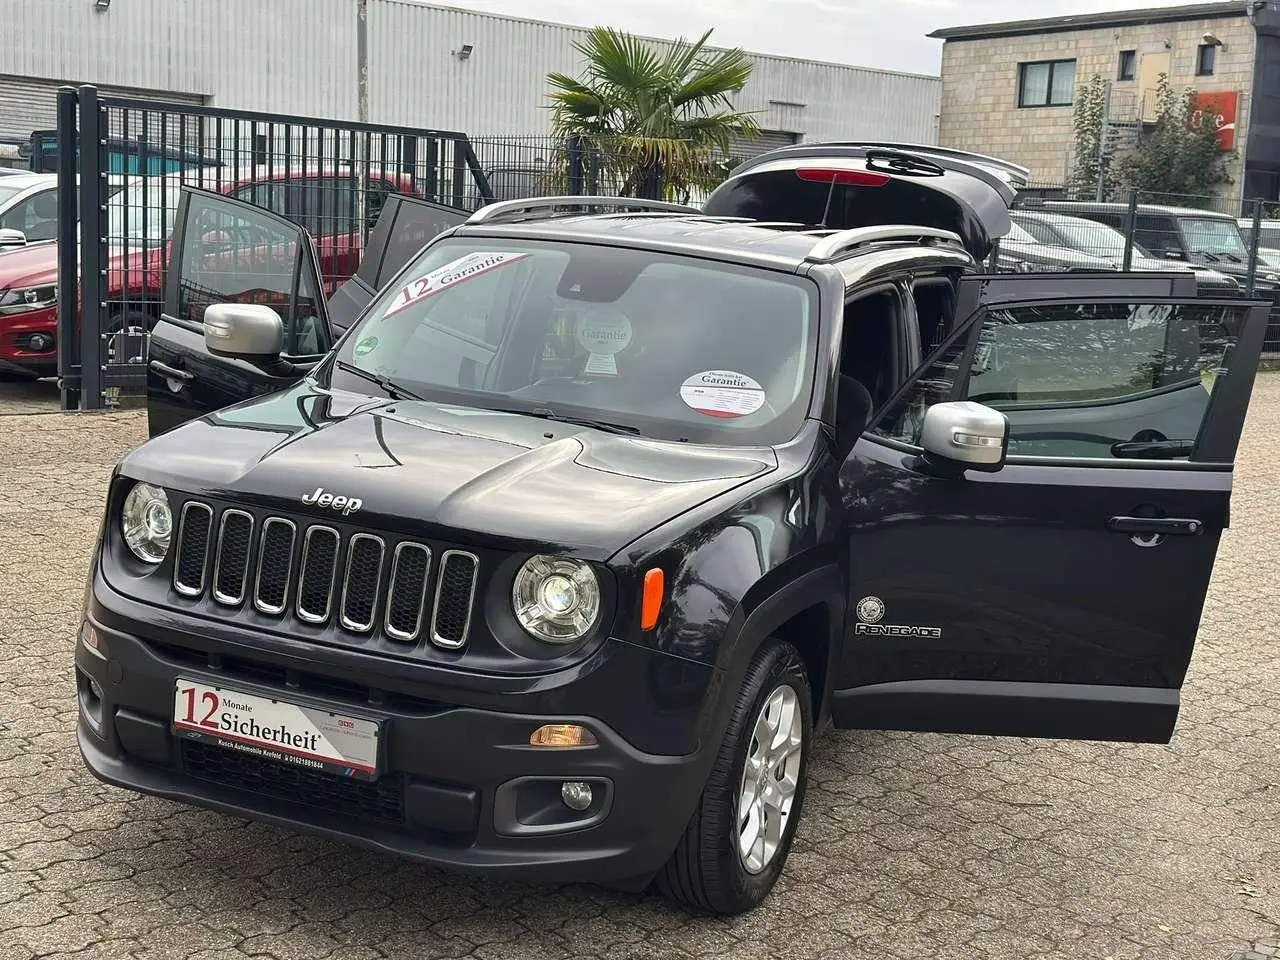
<point>672,347</point>
<point>142,214</point>
<point>1217,237</point>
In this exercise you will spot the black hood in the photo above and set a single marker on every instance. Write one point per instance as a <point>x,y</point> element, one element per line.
<point>466,475</point>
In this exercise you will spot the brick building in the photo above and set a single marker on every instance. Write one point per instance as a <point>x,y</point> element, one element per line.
<point>1008,89</point>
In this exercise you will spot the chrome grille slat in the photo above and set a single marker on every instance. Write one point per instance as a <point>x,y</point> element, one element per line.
<point>194,529</point>
<point>321,547</point>
<point>455,597</point>
<point>275,565</point>
<point>359,610</point>
<point>231,565</point>
<point>407,593</point>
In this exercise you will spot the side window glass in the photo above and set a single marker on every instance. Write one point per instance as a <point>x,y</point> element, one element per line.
<point>37,217</point>
<point>375,199</point>
<point>1102,380</point>
<point>1157,235</point>
<point>307,336</point>
<point>936,384</point>
<point>269,196</point>
<point>1084,380</point>
<point>935,302</point>
<point>234,254</point>
<point>869,349</point>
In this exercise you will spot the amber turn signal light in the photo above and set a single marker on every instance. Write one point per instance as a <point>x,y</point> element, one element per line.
<point>562,735</point>
<point>651,605</point>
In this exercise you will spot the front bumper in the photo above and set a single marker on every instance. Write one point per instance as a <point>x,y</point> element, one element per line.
<point>18,335</point>
<point>461,788</point>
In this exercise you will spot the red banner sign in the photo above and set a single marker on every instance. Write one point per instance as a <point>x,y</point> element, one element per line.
<point>1221,107</point>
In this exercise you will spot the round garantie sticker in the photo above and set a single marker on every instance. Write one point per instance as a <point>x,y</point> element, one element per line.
<point>603,333</point>
<point>722,393</point>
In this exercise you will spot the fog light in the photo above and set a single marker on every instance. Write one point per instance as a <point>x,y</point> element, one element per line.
<point>40,343</point>
<point>575,794</point>
<point>91,702</point>
<point>562,735</point>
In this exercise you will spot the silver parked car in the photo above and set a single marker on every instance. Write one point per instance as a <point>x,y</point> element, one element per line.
<point>1106,243</point>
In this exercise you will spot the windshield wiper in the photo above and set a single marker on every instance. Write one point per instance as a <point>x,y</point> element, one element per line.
<point>542,413</point>
<point>389,386</point>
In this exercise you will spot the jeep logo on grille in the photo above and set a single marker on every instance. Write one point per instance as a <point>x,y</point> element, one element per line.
<point>348,505</point>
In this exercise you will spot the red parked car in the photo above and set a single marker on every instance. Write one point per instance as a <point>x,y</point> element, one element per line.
<point>140,220</point>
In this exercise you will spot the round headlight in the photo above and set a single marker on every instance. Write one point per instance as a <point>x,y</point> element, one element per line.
<point>147,522</point>
<point>556,600</point>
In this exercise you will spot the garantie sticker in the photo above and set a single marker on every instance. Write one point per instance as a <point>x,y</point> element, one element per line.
<point>456,271</point>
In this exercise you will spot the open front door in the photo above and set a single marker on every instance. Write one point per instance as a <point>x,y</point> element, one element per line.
<point>226,251</point>
<point>1060,594</point>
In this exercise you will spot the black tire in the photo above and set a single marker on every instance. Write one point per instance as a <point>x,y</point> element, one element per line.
<point>706,872</point>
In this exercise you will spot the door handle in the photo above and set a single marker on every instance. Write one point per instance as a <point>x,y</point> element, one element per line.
<point>172,372</point>
<point>1146,526</point>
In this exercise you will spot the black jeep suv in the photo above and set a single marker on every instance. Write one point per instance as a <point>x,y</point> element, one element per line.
<point>552,565</point>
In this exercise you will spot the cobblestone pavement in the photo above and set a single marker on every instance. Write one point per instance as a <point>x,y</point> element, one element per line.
<point>912,846</point>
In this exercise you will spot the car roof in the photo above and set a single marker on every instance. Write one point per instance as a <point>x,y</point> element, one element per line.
<point>25,181</point>
<point>774,246</point>
<point>1051,216</point>
<point>1051,206</point>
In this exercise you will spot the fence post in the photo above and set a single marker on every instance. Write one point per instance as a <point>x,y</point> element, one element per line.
<point>68,251</point>
<point>93,269</point>
<point>1130,227</point>
<point>459,174</point>
<point>575,166</point>
<point>1254,238</point>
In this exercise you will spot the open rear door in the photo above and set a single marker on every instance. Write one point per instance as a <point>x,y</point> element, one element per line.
<point>405,226</point>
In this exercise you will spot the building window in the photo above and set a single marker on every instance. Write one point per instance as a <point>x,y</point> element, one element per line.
<point>1050,83</point>
<point>1206,56</point>
<point>1128,65</point>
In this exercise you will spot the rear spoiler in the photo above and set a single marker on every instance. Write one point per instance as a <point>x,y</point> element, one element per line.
<point>1004,175</point>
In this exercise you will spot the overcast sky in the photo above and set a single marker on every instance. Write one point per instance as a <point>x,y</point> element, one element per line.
<point>889,34</point>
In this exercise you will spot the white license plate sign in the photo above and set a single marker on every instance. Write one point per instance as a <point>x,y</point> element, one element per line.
<point>308,737</point>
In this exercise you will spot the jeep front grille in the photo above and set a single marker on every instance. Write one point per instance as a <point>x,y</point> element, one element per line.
<point>357,582</point>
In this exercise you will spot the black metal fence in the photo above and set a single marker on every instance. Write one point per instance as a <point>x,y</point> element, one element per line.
<point>133,157</point>
<point>1232,247</point>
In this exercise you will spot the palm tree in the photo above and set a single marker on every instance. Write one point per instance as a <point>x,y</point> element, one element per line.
<point>657,120</point>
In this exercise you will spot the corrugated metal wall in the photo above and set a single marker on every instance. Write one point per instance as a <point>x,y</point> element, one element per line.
<point>28,104</point>
<point>298,56</point>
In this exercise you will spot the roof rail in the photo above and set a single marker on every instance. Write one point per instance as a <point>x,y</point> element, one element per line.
<point>838,244</point>
<point>508,209</point>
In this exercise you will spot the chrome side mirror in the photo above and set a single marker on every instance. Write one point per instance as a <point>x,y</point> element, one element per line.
<point>963,435</point>
<point>248,331</point>
<point>12,238</point>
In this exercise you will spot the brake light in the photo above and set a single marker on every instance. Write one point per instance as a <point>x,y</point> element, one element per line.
<point>853,178</point>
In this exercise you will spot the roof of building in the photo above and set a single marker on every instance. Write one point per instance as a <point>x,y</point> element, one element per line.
<point>1092,21</point>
